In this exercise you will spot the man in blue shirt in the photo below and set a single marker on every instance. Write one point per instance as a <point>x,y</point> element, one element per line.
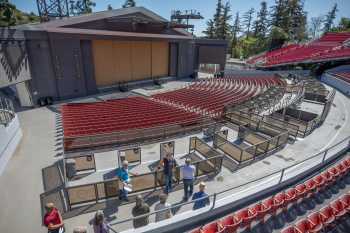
<point>202,199</point>
<point>123,174</point>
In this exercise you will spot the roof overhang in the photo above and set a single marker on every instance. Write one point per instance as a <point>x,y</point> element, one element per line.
<point>117,34</point>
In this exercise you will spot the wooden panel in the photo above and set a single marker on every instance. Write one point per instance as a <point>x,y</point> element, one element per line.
<point>141,60</point>
<point>160,59</point>
<point>104,62</point>
<point>122,59</point>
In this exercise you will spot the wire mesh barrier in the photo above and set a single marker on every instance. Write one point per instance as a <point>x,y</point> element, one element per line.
<point>7,112</point>
<point>94,192</point>
<point>242,189</point>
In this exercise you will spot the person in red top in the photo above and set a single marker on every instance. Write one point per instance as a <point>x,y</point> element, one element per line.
<point>53,219</point>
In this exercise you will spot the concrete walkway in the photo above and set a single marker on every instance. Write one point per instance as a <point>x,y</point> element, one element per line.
<point>41,147</point>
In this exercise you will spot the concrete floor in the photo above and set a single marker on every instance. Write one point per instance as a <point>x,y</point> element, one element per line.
<point>41,146</point>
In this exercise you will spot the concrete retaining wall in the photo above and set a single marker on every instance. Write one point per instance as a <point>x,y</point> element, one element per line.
<point>10,136</point>
<point>339,84</point>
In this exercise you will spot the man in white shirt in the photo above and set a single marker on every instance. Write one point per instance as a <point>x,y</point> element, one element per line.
<point>163,205</point>
<point>188,178</point>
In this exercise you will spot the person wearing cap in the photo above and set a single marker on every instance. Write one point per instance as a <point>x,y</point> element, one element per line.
<point>188,178</point>
<point>163,205</point>
<point>123,175</point>
<point>99,223</point>
<point>200,197</point>
<point>53,219</point>
<point>140,208</point>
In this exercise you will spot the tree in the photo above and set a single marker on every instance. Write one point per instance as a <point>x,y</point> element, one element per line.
<point>236,28</point>
<point>224,28</point>
<point>217,18</point>
<point>329,19</point>
<point>297,19</point>
<point>344,24</point>
<point>8,11</point>
<point>315,26</point>
<point>261,24</point>
<point>278,13</point>
<point>247,20</point>
<point>129,3</point>
<point>81,7</point>
<point>277,37</point>
<point>109,7</point>
<point>210,31</point>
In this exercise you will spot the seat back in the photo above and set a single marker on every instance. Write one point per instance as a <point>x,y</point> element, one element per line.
<point>302,225</point>
<point>326,212</point>
<point>290,229</point>
<point>315,218</point>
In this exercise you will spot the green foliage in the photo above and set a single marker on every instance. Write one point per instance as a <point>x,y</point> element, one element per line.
<point>219,27</point>
<point>10,15</point>
<point>261,24</point>
<point>109,7</point>
<point>330,17</point>
<point>247,20</point>
<point>129,3</point>
<point>81,7</point>
<point>343,26</point>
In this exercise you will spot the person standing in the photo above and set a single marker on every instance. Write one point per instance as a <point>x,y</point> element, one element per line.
<point>123,175</point>
<point>140,208</point>
<point>99,224</point>
<point>188,178</point>
<point>53,219</point>
<point>200,197</point>
<point>163,205</point>
<point>169,163</point>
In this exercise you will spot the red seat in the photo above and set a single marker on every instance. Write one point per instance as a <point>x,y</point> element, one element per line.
<point>342,169</point>
<point>261,211</point>
<point>328,177</point>
<point>268,204</point>
<point>345,199</point>
<point>213,227</point>
<point>231,223</point>
<point>310,187</point>
<point>291,195</point>
<point>279,202</point>
<point>315,222</point>
<point>320,182</point>
<point>346,164</point>
<point>290,229</point>
<point>301,191</point>
<point>334,172</point>
<point>303,226</point>
<point>338,208</point>
<point>327,215</point>
<point>247,216</point>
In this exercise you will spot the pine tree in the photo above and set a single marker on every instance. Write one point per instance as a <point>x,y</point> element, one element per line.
<point>248,19</point>
<point>261,24</point>
<point>329,20</point>
<point>210,31</point>
<point>129,3</point>
<point>8,11</point>
<point>81,7</point>
<point>109,7</point>
<point>297,19</point>
<point>278,12</point>
<point>217,18</point>
<point>224,28</point>
<point>236,28</point>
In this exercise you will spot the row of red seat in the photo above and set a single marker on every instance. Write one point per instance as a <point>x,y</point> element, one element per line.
<point>106,117</point>
<point>210,96</point>
<point>323,219</point>
<point>281,202</point>
<point>330,46</point>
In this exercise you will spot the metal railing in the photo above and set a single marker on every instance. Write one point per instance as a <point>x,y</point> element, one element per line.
<point>7,112</point>
<point>270,180</point>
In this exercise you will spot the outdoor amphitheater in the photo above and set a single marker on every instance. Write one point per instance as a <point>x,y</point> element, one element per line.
<point>270,141</point>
